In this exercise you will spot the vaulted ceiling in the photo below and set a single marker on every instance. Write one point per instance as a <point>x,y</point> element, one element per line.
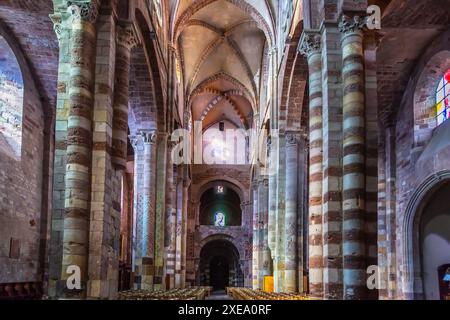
<point>221,48</point>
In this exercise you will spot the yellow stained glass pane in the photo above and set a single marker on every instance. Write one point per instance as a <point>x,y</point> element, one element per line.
<point>440,108</point>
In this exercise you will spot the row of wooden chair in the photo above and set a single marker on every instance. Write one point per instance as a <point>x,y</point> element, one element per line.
<point>249,294</point>
<point>195,293</point>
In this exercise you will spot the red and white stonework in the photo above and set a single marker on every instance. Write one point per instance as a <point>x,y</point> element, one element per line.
<point>345,174</point>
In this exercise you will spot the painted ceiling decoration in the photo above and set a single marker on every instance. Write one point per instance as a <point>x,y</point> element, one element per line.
<point>221,45</point>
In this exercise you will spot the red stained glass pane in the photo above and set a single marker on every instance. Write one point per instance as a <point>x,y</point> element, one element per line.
<point>447,76</point>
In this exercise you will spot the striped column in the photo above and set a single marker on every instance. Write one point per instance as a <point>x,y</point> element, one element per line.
<point>184,228</point>
<point>170,221</point>
<point>179,225</point>
<point>79,146</point>
<point>332,161</point>
<point>291,207</point>
<point>272,157</point>
<point>310,46</point>
<point>353,247</point>
<point>161,181</point>
<point>256,254</point>
<point>265,260</point>
<point>126,40</point>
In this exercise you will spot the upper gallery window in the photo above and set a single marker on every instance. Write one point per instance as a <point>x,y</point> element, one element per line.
<point>11,102</point>
<point>443,99</point>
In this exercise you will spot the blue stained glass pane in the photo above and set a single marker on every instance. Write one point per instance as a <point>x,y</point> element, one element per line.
<point>440,119</point>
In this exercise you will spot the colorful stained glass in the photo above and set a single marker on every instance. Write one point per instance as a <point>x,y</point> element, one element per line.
<point>443,99</point>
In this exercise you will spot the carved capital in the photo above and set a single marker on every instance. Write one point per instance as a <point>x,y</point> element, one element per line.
<point>57,24</point>
<point>355,24</point>
<point>127,35</point>
<point>293,138</point>
<point>83,10</point>
<point>148,136</point>
<point>135,140</point>
<point>310,43</point>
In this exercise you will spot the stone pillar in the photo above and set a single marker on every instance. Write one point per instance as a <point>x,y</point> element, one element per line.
<point>184,229</point>
<point>256,244</point>
<point>354,183</point>
<point>291,207</point>
<point>79,146</point>
<point>272,157</point>
<point>126,39</point>
<point>62,27</point>
<point>310,46</point>
<point>144,199</point>
<point>265,260</point>
<point>161,182</point>
<point>170,222</point>
<point>391,215</point>
<point>332,160</point>
<point>106,183</point>
<point>179,228</point>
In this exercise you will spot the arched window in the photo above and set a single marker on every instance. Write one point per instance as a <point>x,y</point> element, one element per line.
<point>11,102</point>
<point>443,99</point>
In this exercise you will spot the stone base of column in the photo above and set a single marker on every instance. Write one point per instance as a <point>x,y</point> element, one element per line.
<point>144,274</point>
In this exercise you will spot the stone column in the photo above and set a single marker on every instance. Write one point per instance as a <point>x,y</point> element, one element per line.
<point>291,207</point>
<point>265,259</point>
<point>179,228</point>
<point>256,245</point>
<point>332,160</point>
<point>353,158</point>
<point>144,183</point>
<point>272,201</point>
<point>310,46</point>
<point>184,229</point>
<point>62,27</point>
<point>391,215</point>
<point>170,221</point>
<point>79,146</point>
<point>161,182</point>
<point>127,38</point>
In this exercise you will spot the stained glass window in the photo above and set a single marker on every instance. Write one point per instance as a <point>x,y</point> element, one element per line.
<point>219,219</point>
<point>11,102</point>
<point>443,99</point>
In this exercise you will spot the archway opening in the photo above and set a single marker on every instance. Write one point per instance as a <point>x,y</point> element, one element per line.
<point>220,206</point>
<point>220,265</point>
<point>434,236</point>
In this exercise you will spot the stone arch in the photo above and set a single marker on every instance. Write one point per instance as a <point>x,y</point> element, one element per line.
<point>412,267</point>
<point>234,248</point>
<point>294,96</point>
<point>226,181</point>
<point>153,64</point>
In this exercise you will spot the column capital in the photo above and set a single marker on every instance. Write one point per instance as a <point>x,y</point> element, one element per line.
<point>135,139</point>
<point>310,42</point>
<point>83,10</point>
<point>127,35</point>
<point>148,136</point>
<point>293,137</point>
<point>355,24</point>
<point>57,24</point>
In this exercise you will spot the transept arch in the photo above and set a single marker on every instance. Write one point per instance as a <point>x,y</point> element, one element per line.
<point>411,253</point>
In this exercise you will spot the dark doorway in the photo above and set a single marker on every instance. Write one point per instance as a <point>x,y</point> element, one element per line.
<point>219,270</point>
<point>219,266</point>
